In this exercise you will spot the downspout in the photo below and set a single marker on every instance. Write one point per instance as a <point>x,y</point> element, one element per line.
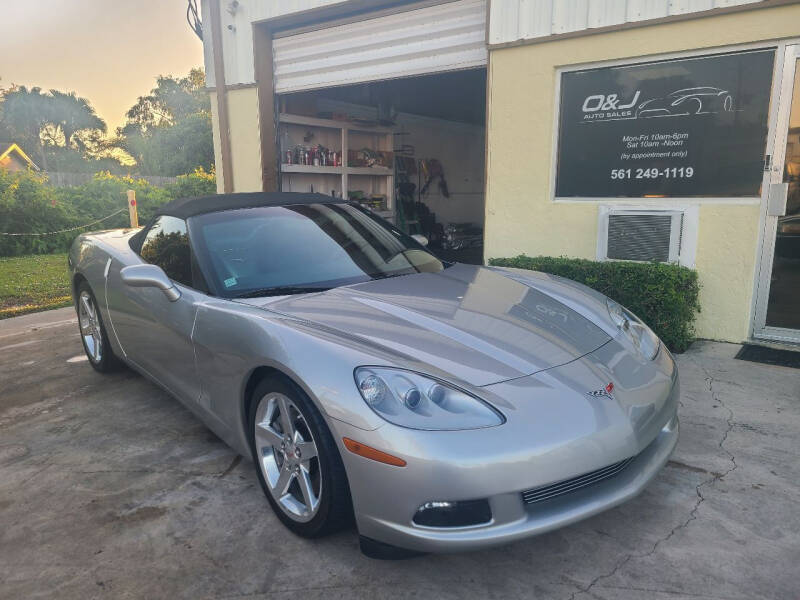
<point>222,97</point>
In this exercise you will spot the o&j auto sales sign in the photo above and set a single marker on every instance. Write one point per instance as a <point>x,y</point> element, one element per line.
<point>676,128</point>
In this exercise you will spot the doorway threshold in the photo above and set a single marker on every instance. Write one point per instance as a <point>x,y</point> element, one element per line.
<point>770,355</point>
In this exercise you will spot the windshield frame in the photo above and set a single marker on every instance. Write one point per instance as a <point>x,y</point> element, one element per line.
<point>201,252</point>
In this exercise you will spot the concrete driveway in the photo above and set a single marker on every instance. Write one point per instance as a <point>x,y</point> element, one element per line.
<point>110,488</point>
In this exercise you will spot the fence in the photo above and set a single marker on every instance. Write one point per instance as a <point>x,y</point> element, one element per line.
<point>18,243</point>
<point>63,179</point>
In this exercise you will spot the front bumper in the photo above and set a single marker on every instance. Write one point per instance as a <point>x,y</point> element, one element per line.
<point>512,518</point>
<point>552,434</point>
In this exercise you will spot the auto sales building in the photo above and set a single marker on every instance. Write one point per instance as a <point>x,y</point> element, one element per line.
<point>603,129</point>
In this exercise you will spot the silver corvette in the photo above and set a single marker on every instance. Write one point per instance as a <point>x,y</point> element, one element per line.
<point>441,406</point>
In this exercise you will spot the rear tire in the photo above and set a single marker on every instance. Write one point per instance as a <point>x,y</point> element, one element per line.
<point>93,332</point>
<point>297,461</point>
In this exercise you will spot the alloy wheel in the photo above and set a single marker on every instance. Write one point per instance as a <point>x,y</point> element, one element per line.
<point>288,457</point>
<point>89,322</point>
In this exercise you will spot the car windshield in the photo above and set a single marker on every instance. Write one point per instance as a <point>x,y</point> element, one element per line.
<point>301,248</point>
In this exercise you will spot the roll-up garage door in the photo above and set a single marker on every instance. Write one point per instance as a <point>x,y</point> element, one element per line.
<point>443,37</point>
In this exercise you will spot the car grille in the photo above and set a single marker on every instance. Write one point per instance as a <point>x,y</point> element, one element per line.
<point>567,486</point>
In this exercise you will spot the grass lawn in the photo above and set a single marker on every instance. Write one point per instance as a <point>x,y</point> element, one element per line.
<point>33,283</point>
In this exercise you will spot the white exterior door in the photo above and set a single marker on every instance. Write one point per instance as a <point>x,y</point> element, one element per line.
<point>777,309</point>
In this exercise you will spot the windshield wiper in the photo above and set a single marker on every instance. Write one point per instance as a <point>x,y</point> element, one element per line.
<point>284,290</point>
<point>390,275</point>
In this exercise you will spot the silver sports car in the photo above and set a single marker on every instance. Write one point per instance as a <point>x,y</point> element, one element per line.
<point>442,406</point>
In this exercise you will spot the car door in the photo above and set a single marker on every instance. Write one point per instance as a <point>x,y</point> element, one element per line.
<point>154,332</point>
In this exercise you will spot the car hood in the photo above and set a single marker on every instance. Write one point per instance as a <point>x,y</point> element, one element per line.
<point>477,324</point>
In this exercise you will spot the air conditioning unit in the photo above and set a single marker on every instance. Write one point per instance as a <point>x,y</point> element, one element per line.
<point>646,235</point>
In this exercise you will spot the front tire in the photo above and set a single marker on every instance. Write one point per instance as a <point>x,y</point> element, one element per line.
<point>93,332</point>
<point>297,461</point>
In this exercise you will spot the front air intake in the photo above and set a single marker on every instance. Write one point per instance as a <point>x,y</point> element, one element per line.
<point>568,486</point>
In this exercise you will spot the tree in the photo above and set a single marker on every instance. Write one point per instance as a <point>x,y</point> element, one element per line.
<point>5,131</point>
<point>73,115</point>
<point>25,114</point>
<point>168,132</point>
<point>172,100</point>
<point>63,127</point>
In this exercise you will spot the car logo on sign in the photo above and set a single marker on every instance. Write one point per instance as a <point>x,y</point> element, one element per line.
<point>606,392</point>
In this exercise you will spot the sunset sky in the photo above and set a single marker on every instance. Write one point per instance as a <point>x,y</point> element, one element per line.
<point>109,51</point>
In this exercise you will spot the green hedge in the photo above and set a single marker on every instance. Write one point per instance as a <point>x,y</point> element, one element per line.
<point>665,296</point>
<point>28,204</point>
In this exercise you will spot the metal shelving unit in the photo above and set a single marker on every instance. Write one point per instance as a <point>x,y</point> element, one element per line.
<point>342,179</point>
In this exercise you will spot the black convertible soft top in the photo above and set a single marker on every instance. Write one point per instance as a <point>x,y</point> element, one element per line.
<point>189,207</point>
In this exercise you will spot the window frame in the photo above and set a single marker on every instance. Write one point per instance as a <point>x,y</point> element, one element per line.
<point>661,203</point>
<point>199,279</point>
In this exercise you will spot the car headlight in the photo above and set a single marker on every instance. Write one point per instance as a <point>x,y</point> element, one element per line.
<point>412,400</point>
<point>640,335</point>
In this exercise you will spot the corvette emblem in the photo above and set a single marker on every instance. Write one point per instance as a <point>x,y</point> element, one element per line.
<point>606,392</point>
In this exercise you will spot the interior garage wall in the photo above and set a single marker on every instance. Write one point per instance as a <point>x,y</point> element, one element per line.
<point>245,140</point>
<point>522,218</point>
<point>460,147</point>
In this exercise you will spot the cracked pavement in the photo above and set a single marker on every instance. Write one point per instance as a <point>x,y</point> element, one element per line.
<point>111,489</point>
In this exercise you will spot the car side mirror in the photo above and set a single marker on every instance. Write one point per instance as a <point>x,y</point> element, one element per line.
<point>150,276</point>
<point>420,239</point>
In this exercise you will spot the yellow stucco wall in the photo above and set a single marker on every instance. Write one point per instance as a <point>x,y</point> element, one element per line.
<point>245,140</point>
<point>215,136</point>
<point>520,215</point>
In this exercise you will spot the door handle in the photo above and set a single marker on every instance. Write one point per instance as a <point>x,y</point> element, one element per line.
<point>776,199</point>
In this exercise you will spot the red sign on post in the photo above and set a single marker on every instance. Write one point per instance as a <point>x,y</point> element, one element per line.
<point>132,208</point>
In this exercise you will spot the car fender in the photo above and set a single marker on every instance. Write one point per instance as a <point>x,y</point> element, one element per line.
<point>89,258</point>
<point>233,340</point>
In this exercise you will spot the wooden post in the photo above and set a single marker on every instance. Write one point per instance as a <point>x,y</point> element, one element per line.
<point>132,212</point>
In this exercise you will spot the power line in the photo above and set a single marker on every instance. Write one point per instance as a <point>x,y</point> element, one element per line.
<point>193,18</point>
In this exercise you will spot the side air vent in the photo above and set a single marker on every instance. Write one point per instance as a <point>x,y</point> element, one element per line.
<point>641,235</point>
